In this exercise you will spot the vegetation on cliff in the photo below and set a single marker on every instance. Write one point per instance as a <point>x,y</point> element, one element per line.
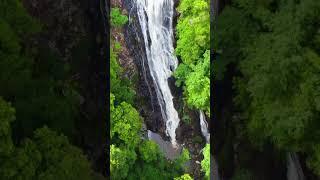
<point>275,47</point>
<point>193,47</point>
<point>39,104</point>
<point>131,156</point>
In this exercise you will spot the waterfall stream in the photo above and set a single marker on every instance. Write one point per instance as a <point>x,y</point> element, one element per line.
<point>294,170</point>
<point>204,127</point>
<point>155,18</point>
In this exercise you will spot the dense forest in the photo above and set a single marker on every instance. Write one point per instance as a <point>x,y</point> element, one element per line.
<point>41,101</point>
<point>267,61</point>
<point>132,156</point>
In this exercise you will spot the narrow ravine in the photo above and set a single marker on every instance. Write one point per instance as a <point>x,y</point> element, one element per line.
<point>155,19</point>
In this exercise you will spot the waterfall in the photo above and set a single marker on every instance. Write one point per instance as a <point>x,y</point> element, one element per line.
<point>204,127</point>
<point>155,18</point>
<point>294,170</point>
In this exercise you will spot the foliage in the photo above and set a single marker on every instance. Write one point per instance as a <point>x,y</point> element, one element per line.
<point>198,85</point>
<point>184,177</point>
<point>205,163</point>
<point>193,30</point>
<point>7,116</point>
<point>17,18</point>
<point>119,85</point>
<point>36,82</point>
<point>275,47</point>
<point>32,78</point>
<point>131,156</point>
<point>186,118</point>
<point>120,162</point>
<point>193,33</point>
<point>125,123</point>
<point>149,151</point>
<point>46,156</point>
<point>183,158</point>
<point>117,19</point>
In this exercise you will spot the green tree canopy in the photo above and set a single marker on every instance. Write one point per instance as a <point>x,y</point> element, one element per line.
<point>32,78</point>
<point>205,163</point>
<point>125,123</point>
<point>46,155</point>
<point>184,177</point>
<point>275,45</point>
<point>193,44</point>
<point>117,19</point>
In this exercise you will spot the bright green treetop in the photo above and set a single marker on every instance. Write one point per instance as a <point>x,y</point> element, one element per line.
<point>184,177</point>
<point>117,19</point>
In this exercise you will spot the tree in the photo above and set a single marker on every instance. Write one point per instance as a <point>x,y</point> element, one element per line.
<point>275,47</point>
<point>6,117</point>
<point>183,159</point>
<point>32,80</point>
<point>117,19</point>
<point>46,155</point>
<point>125,123</point>
<point>193,30</point>
<point>121,161</point>
<point>205,163</point>
<point>149,151</point>
<point>184,177</point>
<point>119,85</point>
<point>193,33</point>
<point>198,85</point>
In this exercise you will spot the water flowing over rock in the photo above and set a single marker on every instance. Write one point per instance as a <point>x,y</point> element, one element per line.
<point>204,127</point>
<point>294,170</point>
<point>155,18</point>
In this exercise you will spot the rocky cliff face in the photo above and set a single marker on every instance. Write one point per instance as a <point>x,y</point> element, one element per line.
<point>148,103</point>
<point>117,33</point>
<point>188,134</point>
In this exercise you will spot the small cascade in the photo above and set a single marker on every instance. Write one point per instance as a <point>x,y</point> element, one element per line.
<point>294,170</point>
<point>204,127</point>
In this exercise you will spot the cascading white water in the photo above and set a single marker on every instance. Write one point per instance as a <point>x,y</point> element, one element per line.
<point>155,17</point>
<point>204,127</point>
<point>294,170</point>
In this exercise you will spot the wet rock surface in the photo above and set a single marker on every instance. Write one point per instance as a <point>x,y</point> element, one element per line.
<point>148,102</point>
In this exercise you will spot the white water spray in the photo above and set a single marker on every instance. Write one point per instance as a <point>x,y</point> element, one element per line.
<point>204,127</point>
<point>294,170</point>
<point>155,17</point>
